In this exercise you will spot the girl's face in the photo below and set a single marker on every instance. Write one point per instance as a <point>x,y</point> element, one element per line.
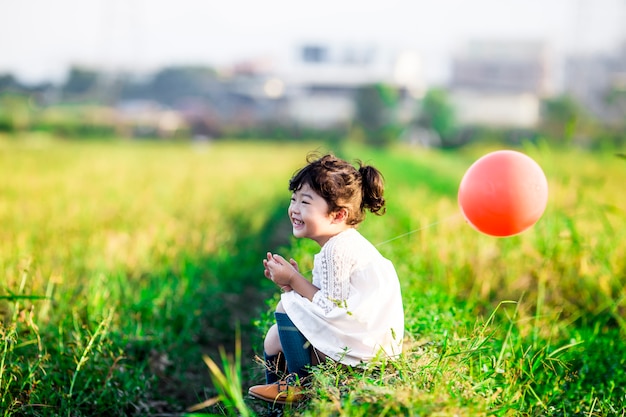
<point>309,216</point>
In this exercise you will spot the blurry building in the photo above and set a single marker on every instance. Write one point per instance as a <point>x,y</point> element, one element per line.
<point>598,83</point>
<point>500,83</point>
<point>321,80</point>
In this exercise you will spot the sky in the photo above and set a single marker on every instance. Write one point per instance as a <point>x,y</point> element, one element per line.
<point>41,39</point>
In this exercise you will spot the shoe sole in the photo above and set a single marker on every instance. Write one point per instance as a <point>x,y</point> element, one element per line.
<point>273,401</point>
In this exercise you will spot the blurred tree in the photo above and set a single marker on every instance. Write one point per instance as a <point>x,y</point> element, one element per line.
<point>376,113</point>
<point>616,100</point>
<point>562,118</point>
<point>437,114</point>
<point>80,82</point>
<point>614,132</point>
<point>8,83</point>
<point>15,112</point>
<point>171,84</point>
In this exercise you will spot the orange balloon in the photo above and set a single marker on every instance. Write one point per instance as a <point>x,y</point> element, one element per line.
<point>503,193</point>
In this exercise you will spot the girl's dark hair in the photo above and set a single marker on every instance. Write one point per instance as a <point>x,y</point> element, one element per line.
<point>343,186</point>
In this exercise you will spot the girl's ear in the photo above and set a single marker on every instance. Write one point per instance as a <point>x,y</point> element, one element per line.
<point>340,215</point>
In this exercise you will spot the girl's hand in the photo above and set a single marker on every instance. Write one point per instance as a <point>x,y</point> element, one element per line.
<point>287,276</point>
<point>279,271</point>
<point>266,270</point>
<point>294,264</point>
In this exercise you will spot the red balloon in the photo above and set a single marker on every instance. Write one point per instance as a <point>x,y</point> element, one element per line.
<point>503,193</point>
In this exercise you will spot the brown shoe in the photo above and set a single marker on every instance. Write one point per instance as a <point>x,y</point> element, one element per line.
<point>279,393</point>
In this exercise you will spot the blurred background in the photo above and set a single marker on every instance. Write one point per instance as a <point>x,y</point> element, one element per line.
<point>432,73</point>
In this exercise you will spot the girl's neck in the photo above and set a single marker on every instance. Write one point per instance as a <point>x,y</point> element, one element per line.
<point>325,239</point>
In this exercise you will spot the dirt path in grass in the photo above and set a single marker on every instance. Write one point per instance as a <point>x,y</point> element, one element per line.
<point>181,378</point>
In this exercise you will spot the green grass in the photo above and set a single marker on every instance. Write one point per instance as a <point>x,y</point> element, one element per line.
<point>126,266</point>
<point>122,263</point>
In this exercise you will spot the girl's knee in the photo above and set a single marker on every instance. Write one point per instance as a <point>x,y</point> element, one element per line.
<point>271,344</point>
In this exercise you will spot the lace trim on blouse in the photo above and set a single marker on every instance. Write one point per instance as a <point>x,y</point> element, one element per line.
<point>336,261</point>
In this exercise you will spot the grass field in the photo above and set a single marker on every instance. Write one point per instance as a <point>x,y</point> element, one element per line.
<point>124,263</point>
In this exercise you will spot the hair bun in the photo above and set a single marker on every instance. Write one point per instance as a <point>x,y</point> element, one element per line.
<point>373,188</point>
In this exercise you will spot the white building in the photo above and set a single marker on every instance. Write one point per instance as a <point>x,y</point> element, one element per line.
<point>321,80</point>
<point>500,83</point>
<point>592,79</point>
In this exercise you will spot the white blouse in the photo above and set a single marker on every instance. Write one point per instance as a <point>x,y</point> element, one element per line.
<point>357,314</point>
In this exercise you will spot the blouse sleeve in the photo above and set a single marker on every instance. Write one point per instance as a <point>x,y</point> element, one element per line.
<point>336,267</point>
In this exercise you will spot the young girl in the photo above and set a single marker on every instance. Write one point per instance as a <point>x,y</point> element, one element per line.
<point>352,311</point>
